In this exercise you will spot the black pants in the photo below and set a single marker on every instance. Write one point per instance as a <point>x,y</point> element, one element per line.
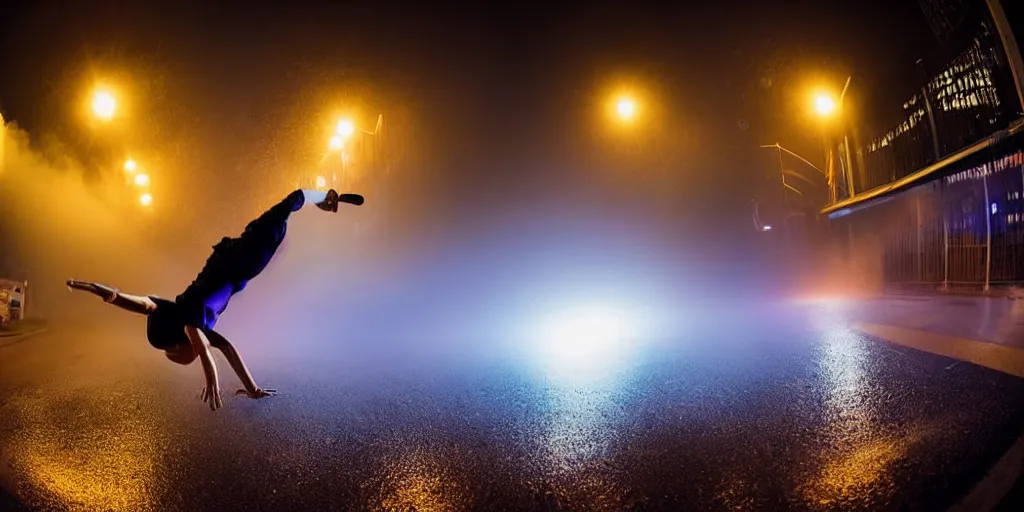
<point>236,261</point>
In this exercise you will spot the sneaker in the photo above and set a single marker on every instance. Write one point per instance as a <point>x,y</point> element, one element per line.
<point>330,204</point>
<point>355,199</point>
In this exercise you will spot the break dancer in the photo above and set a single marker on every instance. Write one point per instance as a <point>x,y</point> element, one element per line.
<point>183,328</point>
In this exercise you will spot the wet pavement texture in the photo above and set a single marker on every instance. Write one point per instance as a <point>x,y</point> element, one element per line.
<point>777,411</point>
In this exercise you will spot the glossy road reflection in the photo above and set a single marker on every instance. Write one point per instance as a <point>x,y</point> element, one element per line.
<point>764,408</point>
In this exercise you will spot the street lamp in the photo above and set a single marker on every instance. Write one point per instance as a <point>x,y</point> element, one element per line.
<point>346,128</point>
<point>625,107</point>
<point>824,105</point>
<point>103,104</point>
<point>130,165</point>
<point>336,143</point>
<point>146,199</point>
<point>141,180</point>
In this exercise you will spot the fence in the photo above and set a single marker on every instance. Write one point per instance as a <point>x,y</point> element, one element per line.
<point>971,96</point>
<point>963,230</point>
<point>941,195</point>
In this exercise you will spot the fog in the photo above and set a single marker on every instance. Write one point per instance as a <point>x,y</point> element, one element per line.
<point>58,223</point>
<point>57,227</point>
<point>486,267</point>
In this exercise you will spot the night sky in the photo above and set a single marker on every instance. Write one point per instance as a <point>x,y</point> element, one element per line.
<point>500,104</point>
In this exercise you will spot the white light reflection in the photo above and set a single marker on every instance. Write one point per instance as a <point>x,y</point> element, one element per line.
<point>842,363</point>
<point>579,430</point>
<point>584,354</point>
<point>576,445</point>
<point>843,357</point>
<point>856,454</point>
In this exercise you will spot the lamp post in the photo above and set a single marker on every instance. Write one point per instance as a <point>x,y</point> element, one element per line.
<point>826,107</point>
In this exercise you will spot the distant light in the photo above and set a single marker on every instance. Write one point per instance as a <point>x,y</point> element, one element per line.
<point>142,179</point>
<point>766,228</point>
<point>824,105</point>
<point>321,182</point>
<point>130,165</point>
<point>103,105</point>
<point>346,128</point>
<point>995,208</point>
<point>145,199</point>
<point>336,142</point>
<point>626,108</point>
<point>586,344</point>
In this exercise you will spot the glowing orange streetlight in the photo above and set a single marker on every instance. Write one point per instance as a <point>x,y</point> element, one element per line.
<point>146,199</point>
<point>346,128</point>
<point>103,104</point>
<point>824,105</point>
<point>142,179</point>
<point>626,109</point>
<point>130,165</point>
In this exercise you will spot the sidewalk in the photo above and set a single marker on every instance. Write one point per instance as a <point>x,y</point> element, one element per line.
<point>984,330</point>
<point>996,320</point>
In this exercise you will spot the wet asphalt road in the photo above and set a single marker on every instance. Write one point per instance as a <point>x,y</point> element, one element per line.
<point>782,410</point>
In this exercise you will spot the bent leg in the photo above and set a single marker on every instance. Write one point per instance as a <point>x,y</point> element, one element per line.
<point>134,303</point>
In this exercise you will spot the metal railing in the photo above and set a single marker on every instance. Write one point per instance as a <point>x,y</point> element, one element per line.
<point>940,197</point>
<point>965,230</point>
<point>971,97</point>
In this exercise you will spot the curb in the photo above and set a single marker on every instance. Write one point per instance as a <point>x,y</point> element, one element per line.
<point>994,356</point>
<point>5,335</point>
<point>994,487</point>
<point>989,493</point>
<point>15,338</point>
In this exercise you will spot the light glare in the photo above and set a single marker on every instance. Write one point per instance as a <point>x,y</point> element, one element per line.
<point>142,180</point>
<point>146,199</point>
<point>336,142</point>
<point>130,165</point>
<point>824,105</point>
<point>626,108</point>
<point>346,128</point>
<point>104,105</point>
<point>586,344</point>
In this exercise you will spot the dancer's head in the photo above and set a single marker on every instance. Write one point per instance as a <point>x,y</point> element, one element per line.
<point>182,353</point>
<point>166,331</point>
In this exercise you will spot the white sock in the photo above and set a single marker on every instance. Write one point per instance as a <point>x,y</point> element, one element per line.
<point>314,196</point>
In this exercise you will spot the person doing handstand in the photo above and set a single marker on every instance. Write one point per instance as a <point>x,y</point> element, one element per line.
<point>183,328</point>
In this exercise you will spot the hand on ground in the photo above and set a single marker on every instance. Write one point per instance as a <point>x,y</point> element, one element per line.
<point>259,393</point>
<point>211,395</point>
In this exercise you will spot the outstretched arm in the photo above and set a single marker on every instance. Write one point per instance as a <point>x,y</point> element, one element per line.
<point>211,393</point>
<point>134,303</point>
<point>235,360</point>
